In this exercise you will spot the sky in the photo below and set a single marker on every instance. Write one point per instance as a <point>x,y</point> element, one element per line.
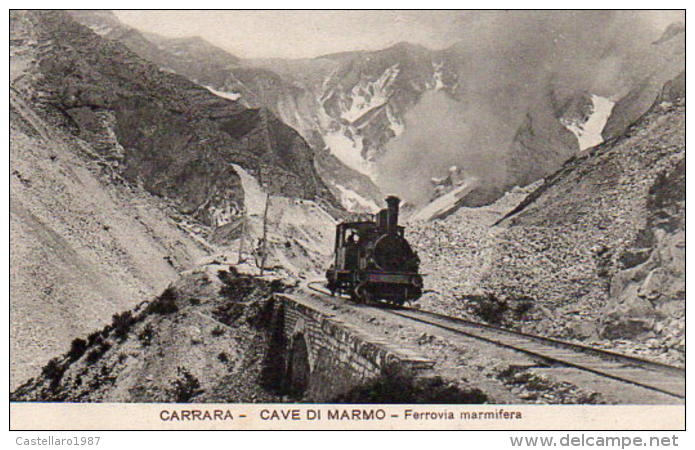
<point>306,34</point>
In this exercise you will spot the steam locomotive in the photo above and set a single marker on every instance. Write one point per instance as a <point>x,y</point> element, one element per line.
<point>374,261</point>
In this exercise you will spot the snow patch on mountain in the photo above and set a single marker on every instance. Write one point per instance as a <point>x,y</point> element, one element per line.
<point>228,95</point>
<point>438,76</point>
<point>589,133</point>
<point>366,96</point>
<point>349,152</point>
<point>361,105</point>
<point>395,124</point>
<point>254,196</point>
<point>102,30</point>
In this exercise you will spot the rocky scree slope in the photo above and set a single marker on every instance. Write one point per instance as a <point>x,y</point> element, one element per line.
<point>456,251</point>
<point>598,250</point>
<point>594,253</point>
<point>85,244</point>
<point>160,130</point>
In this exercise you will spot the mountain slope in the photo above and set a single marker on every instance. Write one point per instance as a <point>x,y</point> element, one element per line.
<point>369,110</point>
<point>595,253</point>
<point>541,144</point>
<point>174,137</point>
<point>120,171</point>
<point>84,244</point>
<point>651,67</point>
<point>347,106</point>
<point>255,86</point>
<point>204,339</point>
<point>193,57</point>
<point>506,121</point>
<point>599,248</point>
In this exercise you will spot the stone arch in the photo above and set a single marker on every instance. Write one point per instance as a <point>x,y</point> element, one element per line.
<point>298,367</point>
<point>300,328</point>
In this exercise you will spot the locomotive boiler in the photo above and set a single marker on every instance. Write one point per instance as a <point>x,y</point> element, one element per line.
<point>373,260</point>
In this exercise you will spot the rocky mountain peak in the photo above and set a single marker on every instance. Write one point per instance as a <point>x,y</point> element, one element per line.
<point>100,21</point>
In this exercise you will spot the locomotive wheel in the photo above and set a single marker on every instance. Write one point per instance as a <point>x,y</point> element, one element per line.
<point>354,297</point>
<point>332,287</point>
<point>364,295</point>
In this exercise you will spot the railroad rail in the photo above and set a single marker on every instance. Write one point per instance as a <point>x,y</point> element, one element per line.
<point>648,374</point>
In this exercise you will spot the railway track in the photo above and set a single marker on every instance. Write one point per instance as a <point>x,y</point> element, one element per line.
<point>664,378</point>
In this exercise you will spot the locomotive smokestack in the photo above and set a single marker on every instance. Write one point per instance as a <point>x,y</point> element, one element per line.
<point>392,216</point>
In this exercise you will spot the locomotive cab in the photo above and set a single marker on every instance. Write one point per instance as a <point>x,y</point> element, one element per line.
<point>373,260</point>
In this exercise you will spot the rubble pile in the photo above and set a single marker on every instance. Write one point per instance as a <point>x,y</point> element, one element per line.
<point>455,252</point>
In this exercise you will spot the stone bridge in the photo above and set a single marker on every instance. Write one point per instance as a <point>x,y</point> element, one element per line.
<point>323,355</point>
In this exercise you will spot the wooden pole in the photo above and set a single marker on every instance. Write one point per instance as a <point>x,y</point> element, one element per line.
<point>265,232</point>
<point>269,150</point>
<point>242,238</point>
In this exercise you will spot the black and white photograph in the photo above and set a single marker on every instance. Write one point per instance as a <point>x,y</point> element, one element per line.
<point>481,211</point>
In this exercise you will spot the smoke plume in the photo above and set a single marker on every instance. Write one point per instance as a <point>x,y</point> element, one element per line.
<point>517,65</point>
